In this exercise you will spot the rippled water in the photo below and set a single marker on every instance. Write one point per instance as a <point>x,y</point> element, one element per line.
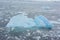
<point>51,10</point>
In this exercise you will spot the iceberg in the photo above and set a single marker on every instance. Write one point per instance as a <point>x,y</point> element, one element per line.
<point>23,21</point>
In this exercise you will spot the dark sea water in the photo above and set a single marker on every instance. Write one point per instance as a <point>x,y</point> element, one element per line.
<point>51,10</point>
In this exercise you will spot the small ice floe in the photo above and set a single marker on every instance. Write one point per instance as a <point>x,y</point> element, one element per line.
<point>23,21</point>
<point>55,22</point>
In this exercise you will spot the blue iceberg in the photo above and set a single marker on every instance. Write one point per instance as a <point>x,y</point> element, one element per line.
<point>24,22</point>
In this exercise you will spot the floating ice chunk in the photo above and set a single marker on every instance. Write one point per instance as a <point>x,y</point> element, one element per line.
<point>21,21</point>
<point>41,21</point>
<point>55,22</point>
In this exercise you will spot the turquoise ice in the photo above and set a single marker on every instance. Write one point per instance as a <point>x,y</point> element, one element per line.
<point>42,21</point>
<point>23,21</point>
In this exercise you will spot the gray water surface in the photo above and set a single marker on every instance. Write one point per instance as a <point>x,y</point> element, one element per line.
<point>51,10</point>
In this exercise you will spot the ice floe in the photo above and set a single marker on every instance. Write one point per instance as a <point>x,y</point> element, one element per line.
<point>22,20</point>
<point>55,22</point>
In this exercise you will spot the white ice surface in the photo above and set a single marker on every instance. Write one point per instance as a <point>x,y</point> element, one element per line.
<point>21,21</point>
